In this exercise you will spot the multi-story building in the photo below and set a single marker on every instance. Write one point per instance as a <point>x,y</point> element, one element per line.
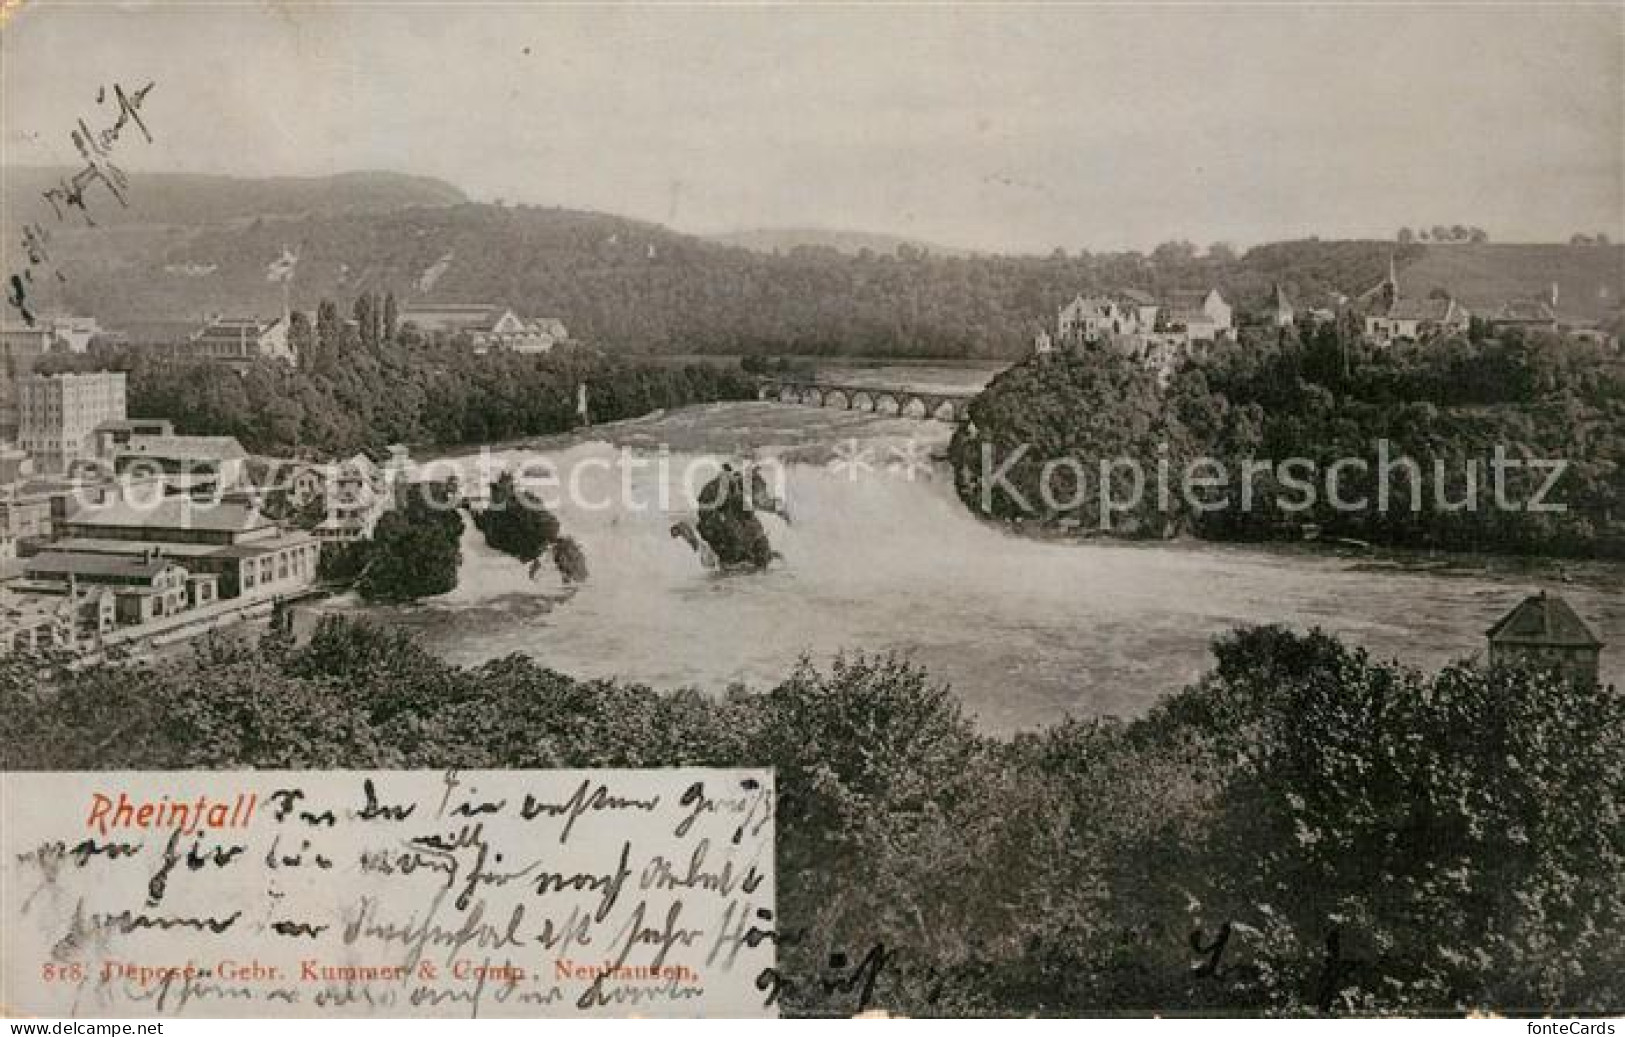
<point>1200,316</point>
<point>1157,332</point>
<point>73,334</point>
<point>19,339</point>
<point>143,587</point>
<point>1180,318</point>
<point>57,415</point>
<point>238,341</point>
<point>1090,318</point>
<point>249,554</point>
<point>1524,315</point>
<point>126,566</point>
<point>355,496</point>
<point>48,335</point>
<point>21,346</point>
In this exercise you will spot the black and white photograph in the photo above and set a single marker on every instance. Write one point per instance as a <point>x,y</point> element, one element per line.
<point>812,510</point>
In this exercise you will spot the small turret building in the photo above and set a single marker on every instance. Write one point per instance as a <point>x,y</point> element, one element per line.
<point>1544,629</point>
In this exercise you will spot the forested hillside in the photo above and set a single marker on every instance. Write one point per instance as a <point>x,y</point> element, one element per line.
<point>195,199</point>
<point>640,287</point>
<point>849,242</point>
<point>1321,398</point>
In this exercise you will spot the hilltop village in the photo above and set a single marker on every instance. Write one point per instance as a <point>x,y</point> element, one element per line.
<point>1162,331</point>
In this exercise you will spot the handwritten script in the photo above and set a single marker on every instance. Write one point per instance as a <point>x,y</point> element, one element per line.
<point>389,893</point>
<point>95,147</point>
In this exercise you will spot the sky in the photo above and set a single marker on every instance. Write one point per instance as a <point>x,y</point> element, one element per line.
<point>998,128</point>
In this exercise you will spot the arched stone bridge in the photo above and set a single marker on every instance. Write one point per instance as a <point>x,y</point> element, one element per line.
<point>926,405</point>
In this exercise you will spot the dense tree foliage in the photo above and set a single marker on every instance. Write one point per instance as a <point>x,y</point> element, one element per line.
<point>1037,434</point>
<point>1449,406</point>
<point>1434,834</point>
<point>516,522</point>
<point>360,386</point>
<point>570,560</point>
<point>416,548</point>
<point>1415,432</point>
<point>1304,830</point>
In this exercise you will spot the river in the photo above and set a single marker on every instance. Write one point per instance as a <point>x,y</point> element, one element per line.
<point>1025,631</point>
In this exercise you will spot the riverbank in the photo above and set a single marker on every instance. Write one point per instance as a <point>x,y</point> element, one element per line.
<point>1602,573</point>
<point>169,636</point>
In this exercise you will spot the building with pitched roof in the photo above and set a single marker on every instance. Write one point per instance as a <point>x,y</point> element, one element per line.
<point>238,341</point>
<point>1159,333</point>
<point>1527,314</point>
<point>1392,317</point>
<point>144,587</point>
<point>1280,312</point>
<point>1414,320</point>
<point>1198,315</point>
<point>183,464</point>
<point>355,497</point>
<point>31,623</point>
<point>1090,318</point>
<point>1545,630</point>
<point>487,326</point>
<point>249,553</point>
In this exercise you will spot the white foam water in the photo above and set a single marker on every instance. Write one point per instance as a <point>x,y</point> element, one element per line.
<point>1025,630</point>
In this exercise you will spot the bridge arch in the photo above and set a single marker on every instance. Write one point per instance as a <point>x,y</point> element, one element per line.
<point>893,400</point>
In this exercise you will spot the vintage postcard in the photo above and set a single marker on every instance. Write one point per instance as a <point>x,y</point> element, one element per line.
<point>1086,510</point>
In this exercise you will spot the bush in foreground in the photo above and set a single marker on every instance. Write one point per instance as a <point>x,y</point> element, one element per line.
<point>1304,830</point>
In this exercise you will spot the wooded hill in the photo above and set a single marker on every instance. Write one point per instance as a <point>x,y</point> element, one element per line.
<point>641,287</point>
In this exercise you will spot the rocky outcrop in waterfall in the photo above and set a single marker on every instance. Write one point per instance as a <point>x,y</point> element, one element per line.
<point>727,526</point>
<point>517,523</point>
